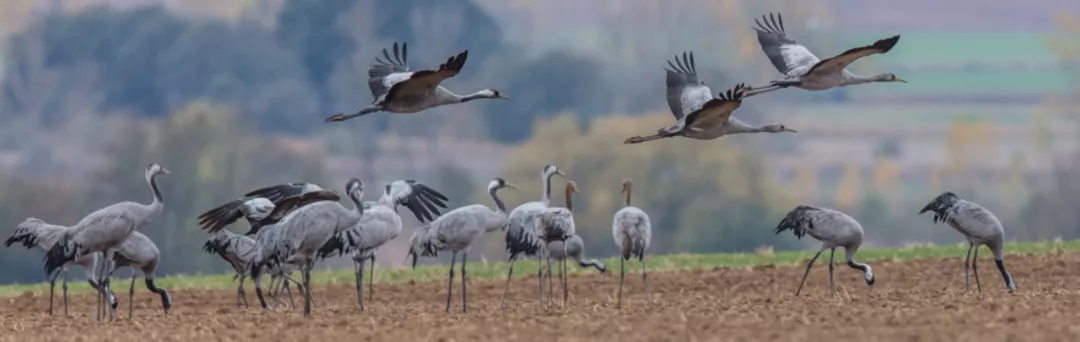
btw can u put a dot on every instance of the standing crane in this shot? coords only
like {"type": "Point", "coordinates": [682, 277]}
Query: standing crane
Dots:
{"type": "Point", "coordinates": [34, 232]}
{"type": "Point", "coordinates": [104, 231]}
{"type": "Point", "coordinates": [399, 89]}
{"type": "Point", "coordinates": [139, 252]}
{"type": "Point", "coordinates": [633, 233]}
{"type": "Point", "coordinates": [834, 229]}
{"type": "Point", "coordinates": [805, 71]}
{"type": "Point", "coordinates": [979, 227]}
{"type": "Point", "coordinates": [699, 115]}
{"type": "Point", "coordinates": [520, 229]}
{"type": "Point", "coordinates": [380, 224]}
{"type": "Point", "coordinates": [455, 231]}
{"type": "Point", "coordinates": [556, 225]}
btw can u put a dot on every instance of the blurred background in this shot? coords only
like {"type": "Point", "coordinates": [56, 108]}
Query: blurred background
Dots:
{"type": "Point", "coordinates": [230, 95]}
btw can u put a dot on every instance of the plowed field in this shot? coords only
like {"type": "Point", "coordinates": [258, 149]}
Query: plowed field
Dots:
{"type": "Point", "coordinates": [922, 300]}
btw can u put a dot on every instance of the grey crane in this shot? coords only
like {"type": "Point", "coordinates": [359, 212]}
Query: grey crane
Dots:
{"type": "Point", "coordinates": [455, 232]}
{"type": "Point", "coordinates": [698, 114]}
{"type": "Point", "coordinates": [399, 89]}
{"type": "Point", "coordinates": [574, 248]}
{"type": "Point", "coordinates": [104, 231]}
{"type": "Point", "coordinates": [632, 231]}
{"type": "Point", "coordinates": [34, 232]}
{"type": "Point", "coordinates": [255, 206]}
{"type": "Point", "coordinates": [804, 70]}
{"type": "Point", "coordinates": [238, 250]}
{"type": "Point", "coordinates": [139, 252]}
{"type": "Point", "coordinates": [520, 228]}
{"type": "Point", "coordinates": [979, 227]}
{"type": "Point", "coordinates": [834, 229]}
{"type": "Point", "coordinates": [556, 224]}
{"type": "Point", "coordinates": [380, 224]}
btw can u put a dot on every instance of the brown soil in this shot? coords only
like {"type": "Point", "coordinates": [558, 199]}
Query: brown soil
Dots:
{"type": "Point", "coordinates": [912, 301]}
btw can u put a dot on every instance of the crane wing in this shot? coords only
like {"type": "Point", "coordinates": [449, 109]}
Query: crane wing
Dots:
{"type": "Point", "coordinates": [215, 219]}
{"type": "Point", "coordinates": [423, 201]}
{"type": "Point", "coordinates": [717, 111]}
{"type": "Point", "coordinates": [422, 82]}
{"type": "Point", "coordinates": [290, 204]}
{"type": "Point", "coordinates": [840, 62]}
{"type": "Point", "coordinates": [686, 93]}
{"type": "Point", "coordinates": [380, 72]}
{"type": "Point", "coordinates": [278, 193]}
{"type": "Point", "coordinates": [790, 58]}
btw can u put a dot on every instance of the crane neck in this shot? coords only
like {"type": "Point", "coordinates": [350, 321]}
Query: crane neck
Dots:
{"type": "Point", "coordinates": [569, 199]}
{"type": "Point", "coordinates": [358, 205]}
{"type": "Point", "coordinates": [547, 189]}
{"type": "Point", "coordinates": [151, 178]}
{"type": "Point", "coordinates": [500, 207]}
{"type": "Point", "coordinates": [628, 190]}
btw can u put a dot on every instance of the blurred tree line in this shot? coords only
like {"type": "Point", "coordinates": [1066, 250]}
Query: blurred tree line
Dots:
{"type": "Point", "coordinates": [285, 76]}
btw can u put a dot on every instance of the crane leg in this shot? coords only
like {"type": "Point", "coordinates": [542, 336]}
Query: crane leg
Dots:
{"type": "Point", "coordinates": [64, 287]}
{"type": "Point", "coordinates": [464, 287]}
{"type": "Point", "coordinates": [240, 291]}
{"type": "Point", "coordinates": [256, 278]}
{"type": "Point", "coordinates": [967, 266]}
{"type": "Point", "coordinates": [371, 280]}
{"type": "Point", "coordinates": [622, 279]}
{"type": "Point", "coordinates": [1005, 274]}
{"type": "Point", "coordinates": [645, 280]}
{"type": "Point", "coordinates": [131, 296]}
{"type": "Point", "coordinates": [358, 267]}
{"type": "Point", "coordinates": [450, 284]}
{"type": "Point", "coordinates": [565, 288]}
{"type": "Point", "coordinates": [52, 289]}
{"type": "Point", "coordinates": [807, 272]}
{"type": "Point", "coordinates": [307, 287]}
{"type": "Point", "coordinates": [975, 268]}
{"type": "Point", "coordinates": [832, 286]}
{"type": "Point", "coordinates": [506, 289]}
{"type": "Point", "coordinates": [540, 276]}
{"type": "Point", "coordinates": [549, 276]}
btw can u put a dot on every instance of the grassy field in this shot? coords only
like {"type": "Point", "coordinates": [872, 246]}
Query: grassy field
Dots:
{"type": "Point", "coordinates": [478, 271]}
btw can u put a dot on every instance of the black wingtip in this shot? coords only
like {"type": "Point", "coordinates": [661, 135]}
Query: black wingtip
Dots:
{"type": "Point", "coordinates": [885, 45]}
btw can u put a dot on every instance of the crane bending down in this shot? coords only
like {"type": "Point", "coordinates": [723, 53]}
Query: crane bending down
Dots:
{"type": "Point", "coordinates": [556, 225]}
{"type": "Point", "coordinates": [237, 250]}
{"type": "Point", "coordinates": [455, 232]}
{"type": "Point", "coordinates": [979, 227]}
{"type": "Point", "coordinates": [521, 239]}
{"type": "Point", "coordinates": [139, 252]}
{"type": "Point", "coordinates": [574, 248]}
{"type": "Point", "coordinates": [34, 232]}
{"type": "Point", "coordinates": [632, 231]}
{"type": "Point", "coordinates": [104, 231]}
{"type": "Point", "coordinates": [699, 115]}
{"type": "Point", "coordinates": [834, 229]}
{"type": "Point", "coordinates": [804, 70]}
{"type": "Point", "coordinates": [399, 89]}
{"type": "Point", "coordinates": [380, 224]}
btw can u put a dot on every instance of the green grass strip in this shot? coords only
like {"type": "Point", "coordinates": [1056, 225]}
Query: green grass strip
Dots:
{"type": "Point", "coordinates": [497, 270]}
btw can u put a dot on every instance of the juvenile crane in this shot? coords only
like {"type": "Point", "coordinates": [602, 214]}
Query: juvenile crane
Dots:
{"type": "Point", "coordinates": [556, 225]}
{"type": "Point", "coordinates": [399, 89]}
{"type": "Point", "coordinates": [804, 70]}
{"type": "Point", "coordinates": [834, 229]}
{"type": "Point", "coordinates": [104, 231]}
{"type": "Point", "coordinates": [139, 252]}
{"type": "Point", "coordinates": [573, 249]}
{"type": "Point", "coordinates": [699, 115]}
{"type": "Point", "coordinates": [455, 232]}
{"type": "Point", "coordinates": [521, 239]}
{"type": "Point", "coordinates": [979, 227]}
{"type": "Point", "coordinates": [633, 233]}
{"type": "Point", "coordinates": [380, 224]}
{"type": "Point", "coordinates": [34, 232]}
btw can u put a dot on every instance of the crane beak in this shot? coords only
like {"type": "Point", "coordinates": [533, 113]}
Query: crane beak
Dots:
{"type": "Point", "coordinates": [558, 172]}
{"type": "Point", "coordinates": [790, 130]}
{"type": "Point", "coordinates": [503, 96]}
{"type": "Point", "coordinates": [165, 171]}
{"type": "Point", "coordinates": [512, 186]}
{"type": "Point", "coordinates": [899, 80]}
